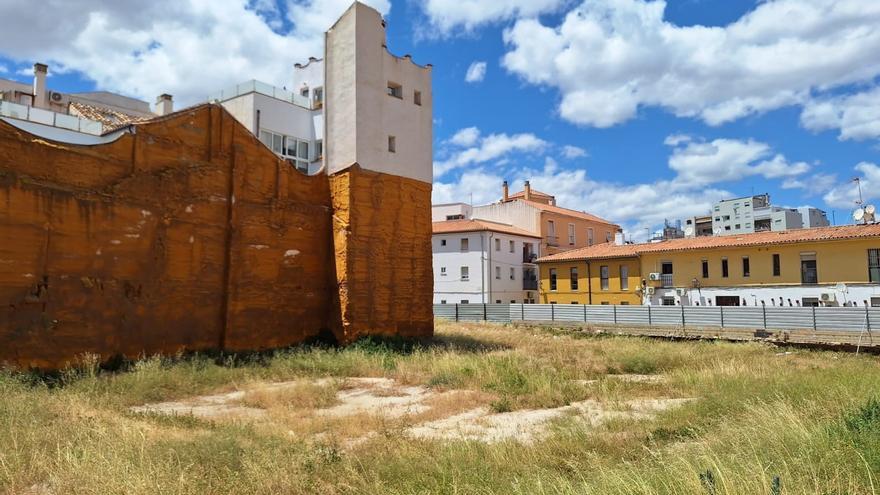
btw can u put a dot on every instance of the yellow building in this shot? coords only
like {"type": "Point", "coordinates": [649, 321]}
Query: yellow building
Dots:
{"type": "Point", "coordinates": [830, 266]}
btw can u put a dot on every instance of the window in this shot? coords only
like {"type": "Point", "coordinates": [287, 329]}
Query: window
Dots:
{"type": "Point", "coordinates": [724, 270]}
{"type": "Point", "coordinates": [810, 302]}
{"type": "Point", "coordinates": [417, 98]}
{"type": "Point", "coordinates": [512, 273]}
{"type": "Point", "coordinates": [809, 269]}
{"type": "Point", "coordinates": [571, 234]}
{"type": "Point", "coordinates": [551, 227]}
{"type": "Point", "coordinates": [553, 279]}
{"type": "Point", "coordinates": [392, 144]}
{"type": "Point", "coordinates": [442, 301]}
{"type": "Point", "coordinates": [737, 226]}
{"type": "Point", "coordinates": [465, 301]}
{"type": "Point", "coordinates": [603, 277]}
{"type": "Point", "coordinates": [497, 244]}
{"type": "Point", "coordinates": [777, 266]}
{"type": "Point", "coordinates": [624, 303]}
{"type": "Point", "coordinates": [442, 271]}
{"type": "Point", "coordinates": [318, 94]}
{"type": "Point", "coordinates": [464, 244]}
{"type": "Point", "coordinates": [497, 273]}
{"type": "Point", "coordinates": [705, 268]}
{"type": "Point", "coordinates": [607, 236]}
{"type": "Point", "coordinates": [455, 217]}
{"type": "Point", "coordinates": [624, 277]}
{"type": "Point", "coordinates": [442, 242]}
{"type": "Point", "coordinates": [304, 91]}
{"type": "Point", "coordinates": [746, 267]}
{"type": "Point", "coordinates": [874, 265]}
{"type": "Point", "coordinates": [875, 302]}
{"type": "Point", "coordinates": [395, 90]}
{"type": "Point", "coordinates": [573, 275]}
{"type": "Point", "coordinates": [669, 301]}
{"type": "Point", "coordinates": [465, 274]}
{"type": "Point", "coordinates": [497, 301]}
{"type": "Point", "coordinates": [319, 149]}
{"type": "Point", "coordinates": [590, 237]}
{"type": "Point", "coordinates": [512, 246]}
{"type": "Point", "coordinates": [574, 302]}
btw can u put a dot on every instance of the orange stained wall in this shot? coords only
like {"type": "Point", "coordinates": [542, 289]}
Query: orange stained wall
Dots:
{"type": "Point", "coordinates": [186, 235]}
{"type": "Point", "coordinates": [589, 282]}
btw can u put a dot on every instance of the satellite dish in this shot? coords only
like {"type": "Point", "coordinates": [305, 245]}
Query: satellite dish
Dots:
{"type": "Point", "coordinates": [870, 209]}
{"type": "Point", "coordinates": [840, 287]}
{"type": "Point", "coordinates": [688, 231]}
{"type": "Point", "coordinates": [717, 231]}
{"type": "Point", "coordinates": [859, 215]}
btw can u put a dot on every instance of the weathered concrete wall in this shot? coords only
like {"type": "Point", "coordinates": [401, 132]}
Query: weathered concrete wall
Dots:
{"type": "Point", "coordinates": [185, 235]}
{"type": "Point", "coordinates": [382, 238]}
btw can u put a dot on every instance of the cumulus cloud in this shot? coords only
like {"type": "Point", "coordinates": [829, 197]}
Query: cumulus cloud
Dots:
{"type": "Point", "coordinates": [845, 194]}
{"type": "Point", "coordinates": [476, 72]}
{"type": "Point", "coordinates": [608, 58]}
{"type": "Point", "coordinates": [571, 152]}
{"type": "Point", "coordinates": [447, 16]}
{"type": "Point", "coordinates": [699, 162]}
{"type": "Point", "coordinates": [815, 184]}
{"type": "Point", "coordinates": [469, 148]}
{"type": "Point", "coordinates": [856, 116]}
{"type": "Point", "coordinates": [190, 48]}
{"type": "Point", "coordinates": [3, 69]}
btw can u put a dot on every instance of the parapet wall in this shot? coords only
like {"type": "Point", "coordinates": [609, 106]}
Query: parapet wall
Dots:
{"type": "Point", "coordinates": [187, 234]}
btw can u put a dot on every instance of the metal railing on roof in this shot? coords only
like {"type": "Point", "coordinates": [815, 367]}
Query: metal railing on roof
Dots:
{"type": "Point", "coordinates": [254, 86]}
{"type": "Point", "coordinates": [50, 118]}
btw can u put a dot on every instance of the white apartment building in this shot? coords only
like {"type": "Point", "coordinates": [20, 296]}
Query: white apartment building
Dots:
{"type": "Point", "coordinates": [753, 214]}
{"type": "Point", "coordinates": [477, 261]}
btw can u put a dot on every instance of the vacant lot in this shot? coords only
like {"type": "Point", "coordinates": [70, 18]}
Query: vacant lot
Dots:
{"type": "Point", "coordinates": [483, 409]}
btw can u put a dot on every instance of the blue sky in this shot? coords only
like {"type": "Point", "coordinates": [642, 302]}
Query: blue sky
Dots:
{"type": "Point", "coordinates": [635, 110]}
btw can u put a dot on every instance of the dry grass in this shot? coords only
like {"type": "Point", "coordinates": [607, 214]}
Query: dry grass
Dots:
{"type": "Point", "coordinates": [812, 418]}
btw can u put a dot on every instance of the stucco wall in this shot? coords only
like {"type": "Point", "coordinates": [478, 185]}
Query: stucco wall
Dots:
{"type": "Point", "coordinates": [186, 235]}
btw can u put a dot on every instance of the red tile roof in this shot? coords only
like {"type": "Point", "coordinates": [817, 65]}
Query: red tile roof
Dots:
{"type": "Point", "coordinates": [111, 119]}
{"type": "Point", "coordinates": [451, 226]}
{"type": "Point", "coordinates": [610, 250]}
{"type": "Point", "coordinates": [565, 211]}
{"type": "Point", "coordinates": [534, 192]}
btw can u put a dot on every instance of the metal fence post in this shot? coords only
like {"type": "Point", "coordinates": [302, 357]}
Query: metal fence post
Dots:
{"type": "Point", "coordinates": [682, 316]}
{"type": "Point", "coordinates": [484, 313]}
{"type": "Point", "coordinates": [552, 312]}
{"type": "Point", "coordinates": [522, 312]}
{"type": "Point", "coordinates": [721, 308]}
{"type": "Point", "coordinates": [456, 311]}
{"type": "Point", "coordinates": [585, 313]}
{"type": "Point", "coordinates": [614, 308]}
{"type": "Point", "coordinates": [868, 317]}
{"type": "Point", "coordinates": [815, 326]}
{"type": "Point", "coordinates": [764, 311]}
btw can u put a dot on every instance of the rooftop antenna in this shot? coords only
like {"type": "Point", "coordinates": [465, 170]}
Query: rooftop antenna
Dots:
{"type": "Point", "coordinates": [858, 181]}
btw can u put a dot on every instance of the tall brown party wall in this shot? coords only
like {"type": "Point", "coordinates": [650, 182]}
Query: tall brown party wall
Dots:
{"type": "Point", "coordinates": [188, 234]}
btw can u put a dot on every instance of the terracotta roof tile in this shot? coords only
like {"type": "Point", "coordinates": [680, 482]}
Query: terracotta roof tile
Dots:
{"type": "Point", "coordinates": [566, 211]}
{"type": "Point", "coordinates": [111, 119]}
{"type": "Point", "coordinates": [534, 192]}
{"type": "Point", "coordinates": [610, 250]}
{"type": "Point", "coordinates": [451, 226]}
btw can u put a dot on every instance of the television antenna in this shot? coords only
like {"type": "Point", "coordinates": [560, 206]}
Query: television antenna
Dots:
{"type": "Point", "coordinates": [858, 181]}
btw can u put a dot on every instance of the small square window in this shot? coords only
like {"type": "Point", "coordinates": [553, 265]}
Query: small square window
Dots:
{"type": "Point", "coordinates": [395, 90]}
{"type": "Point", "coordinates": [417, 98]}
{"type": "Point", "coordinates": [442, 271]}
{"type": "Point", "coordinates": [392, 144]}
{"type": "Point", "coordinates": [442, 242]}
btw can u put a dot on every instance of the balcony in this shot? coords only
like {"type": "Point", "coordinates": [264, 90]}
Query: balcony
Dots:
{"type": "Point", "coordinates": [666, 280]}
{"type": "Point", "coordinates": [529, 257]}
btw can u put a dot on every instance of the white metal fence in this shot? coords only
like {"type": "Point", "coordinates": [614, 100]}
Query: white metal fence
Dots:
{"type": "Point", "coordinates": [767, 318]}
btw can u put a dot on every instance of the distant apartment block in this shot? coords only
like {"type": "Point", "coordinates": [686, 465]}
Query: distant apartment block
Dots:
{"type": "Point", "coordinates": [753, 214]}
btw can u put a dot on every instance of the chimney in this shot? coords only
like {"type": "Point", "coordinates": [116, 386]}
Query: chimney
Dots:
{"type": "Point", "coordinates": [164, 104]}
{"type": "Point", "coordinates": [41, 100]}
{"type": "Point", "coordinates": [527, 191]}
{"type": "Point", "coordinates": [506, 192]}
{"type": "Point", "coordinates": [618, 239]}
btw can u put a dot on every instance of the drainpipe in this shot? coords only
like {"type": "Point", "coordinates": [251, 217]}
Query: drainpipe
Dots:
{"type": "Point", "coordinates": [491, 267]}
{"type": "Point", "coordinates": [482, 268]}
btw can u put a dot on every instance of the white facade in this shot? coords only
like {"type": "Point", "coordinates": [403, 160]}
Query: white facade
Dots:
{"type": "Point", "coordinates": [756, 214]}
{"type": "Point", "coordinates": [484, 270]}
{"type": "Point", "coordinates": [451, 211]}
{"type": "Point", "coordinates": [813, 217]}
{"type": "Point", "coordinates": [378, 106]}
{"type": "Point", "coordinates": [517, 213]}
{"type": "Point", "coordinates": [787, 296]}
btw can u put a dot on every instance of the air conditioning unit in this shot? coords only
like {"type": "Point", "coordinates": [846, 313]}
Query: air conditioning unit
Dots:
{"type": "Point", "coordinates": [649, 291]}
{"type": "Point", "coordinates": [681, 292]}
{"type": "Point", "coordinates": [654, 276]}
{"type": "Point", "coordinates": [55, 96]}
{"type": "Point", "coordinates": [828, 297]}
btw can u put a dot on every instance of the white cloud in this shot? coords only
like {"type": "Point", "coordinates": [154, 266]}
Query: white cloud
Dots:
{"type": "Point", "coordinates": [190, 48]}
{"type": "Point", "coordinates": [469, 148]}
{"type": "Point", "coordinates": [857, 116]}
{"type": "Point", "coordinates": [571, 152]}
{"type": "Point", "coordinates": [814, 184]}
{"type": "Point", "coordinates": [446, 16]}
{"type": "Point", "coordinates": [845, 195]}
{"type": "Point", "coordinates": [608, 58]}
{"type": "Point", "coordinates": [476, 72]}
{"type": "Point", "coordinates": [3, 69]}
{"type": "Point", "coordinates": [699, 162]}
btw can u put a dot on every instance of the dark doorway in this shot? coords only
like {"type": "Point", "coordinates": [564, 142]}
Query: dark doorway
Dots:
{"type": "Point", "coordinates": [727, 300]}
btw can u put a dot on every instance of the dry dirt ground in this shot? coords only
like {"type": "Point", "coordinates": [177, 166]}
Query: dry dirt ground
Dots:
{"type": "Point", "coordinates": [361, 407]}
